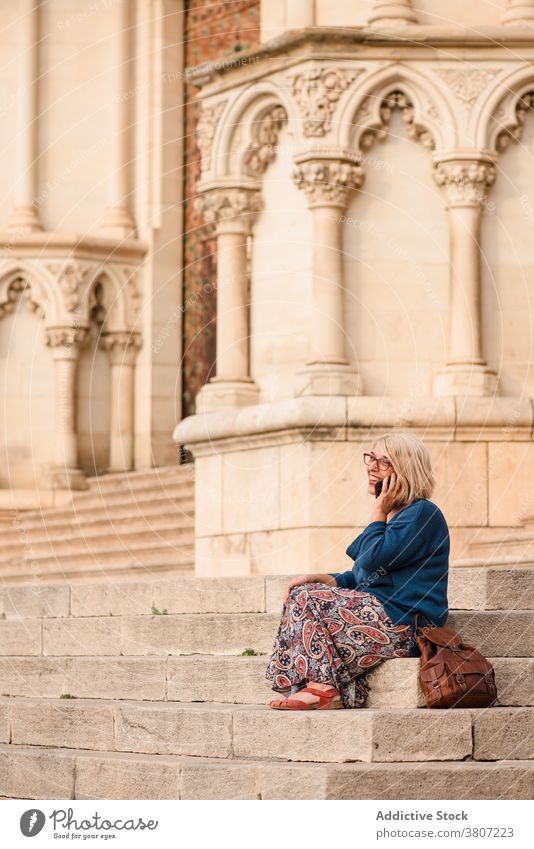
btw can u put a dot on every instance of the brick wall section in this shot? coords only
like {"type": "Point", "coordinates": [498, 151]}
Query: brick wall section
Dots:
{"type": "Point", "coordinates": [212, 30]}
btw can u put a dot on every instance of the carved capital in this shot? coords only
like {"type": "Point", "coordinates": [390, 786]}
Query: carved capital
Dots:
{"type": "Point", "coordinates": [235, 205]}
{"type": "Point", "coordinates": [121, 348]}
{"type": "Point", "coordinates": [465, 181]}
{"type": "Point", "coordinates": [328, 182]}
{"type": "Point", "coordinates": [317, 92]}
{"type": "Point", "coordinates": [65, 341]}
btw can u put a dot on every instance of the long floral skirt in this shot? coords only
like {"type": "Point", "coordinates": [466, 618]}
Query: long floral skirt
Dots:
{"type": "Point", "coordinates": [333, 636]}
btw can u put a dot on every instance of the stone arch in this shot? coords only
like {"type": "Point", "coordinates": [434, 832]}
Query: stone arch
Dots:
{"type": "Point", "coordinates": [500, 118]}
{"type": "Point", "coordinates": [246, 134]}
{"type": "Point", "coordinates": [36, 286]}
{"type": "Point", "coordinates": [365, 113]}
{"type": "Point", "coordinates": [110, 292]}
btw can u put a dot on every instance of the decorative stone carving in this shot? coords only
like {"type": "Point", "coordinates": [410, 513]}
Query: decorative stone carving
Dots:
{"type": "Point", "coordinates": [68, 338]}
{"type": "Point", "coordinates": [121, 348]}
{"type": "Point", "coordinates": [391, 12]}
{"type": "Point", "coordinates": [467, 85]}
{"type": "Point", "coordinates": [317, 92]}
{"type": "Point", "coordinates": [224, 204]}
{"type": "Point", "coordinates": [205, 131]}
{"type": "Point", "coordinates": [69, 277]}
{"type": "Point", "coordinates": [262, 150]}
{"type": "Point", "coordinates": [513, 130]}
{"type": "Point", "coordinates": [11, 295]}
{"type": "Point", "coordinates": [378, 129]}
{"type": "Point", "coordinates": [518, 11]}
{"type": "Point", "coordinates": [328, 182]}
{"type": "Point", "coordinates": [465, 183]}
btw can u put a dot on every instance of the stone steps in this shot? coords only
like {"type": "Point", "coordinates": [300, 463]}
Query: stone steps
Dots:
{"type": "Point", "coordinates": [121, 495]}
{"type": "Point", "coordinates": [469, 589]}
{"type": "Point", "coordinates": [216, 678]}
{"type": "Point", "coordinates": [52, 773]}
{"type": "Point", "coordinates": [123, 561]}
{"type": "Point", "coordinates": [256, 732]}
{"type": "Point", "coordinates": [496, 633]}
{"type": "Point", "coordinates": [133, 480]}
{"type": "Point", "coordinates": [177, 531]}
{"type": "Point", "coordinates": [180, 504]}
{"type": "Point", "coordinates": [517, 543]}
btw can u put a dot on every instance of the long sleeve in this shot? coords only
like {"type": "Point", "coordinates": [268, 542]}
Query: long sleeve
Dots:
{"type": "Point", "coordinates": [346, 580]}
{"type": "Point", "coordinates": [392, 546]}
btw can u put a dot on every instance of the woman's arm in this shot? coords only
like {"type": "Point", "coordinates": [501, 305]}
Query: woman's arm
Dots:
{"type": "Point", "coordinates": [317, 577]}
{"type": "Point", "coordinates": [394, 546]}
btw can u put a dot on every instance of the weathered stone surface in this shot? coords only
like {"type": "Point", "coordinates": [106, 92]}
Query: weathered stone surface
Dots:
{"type": "Point", "coordinates": [207, 634]}
{"type": "Point", "coordinates": [4, 723]}
{"type": "Point", "coordinates": [33, 676]}
{"type": "Point", "coordinates": [511, 589]}
{"type": "Point", "coordinates": [497, 633]}
{"type": "Point", "coordinates": [82, 636]}
{"type": "Point", "coordinates": [421, 735]}
{"type": "Point", "coordinates": [292, 781]}
{"type": "Point", "coordinates": [36, 600]}
{"type": "Point", "coordinates": [503, 734]}
{"type": "Point", "coordinates": [35, 774]}
{"type": "Point", "coordinates": [216, 595]}
{"type": "Point", "coordinates": [116, 678]}
{"type": "Point", "coordinates": [22, 637]}
{"type": "Point", "coordinates": [465, 780]}
{"type": "Point", "coordinates": [215, 679]}
{"type": "Point", "coordinates": [125, 776]}
{"type": "Point", "coordinates": [205, 779]}
{"type": "Point", "coordinates": [101, 599]}
{"type": "Point", "coordinates": [169, 729]}
{"type": "Point", "coordinates": [514, 678]}
{"type": "Point", "coordinates": [393, 684]}
{"type": "Point", "coordinates": [334, 736]}
{"type": "Point", "coordinates": [63, 723]}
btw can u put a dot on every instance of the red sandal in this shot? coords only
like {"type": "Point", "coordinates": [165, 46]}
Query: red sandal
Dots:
{"type": "Point", "coordinates": [328, 700]}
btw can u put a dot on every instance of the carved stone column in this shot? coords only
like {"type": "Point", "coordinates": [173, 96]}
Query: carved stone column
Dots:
{"type": "Point", "coordinates": [519, 12]}
{"type": "Point", "coordinates": [465, 180]}
{"type": "Point", "coordinates": [327, 182]}
{"type": "Point", "coordinates": [391, 12]}
{"type": "Point", "coordinates": [24, 218]}
{"type": "Point", "coordinates": [232, 210]}
{"type": "Point", "coordinates": [122, 350]}
{"type": "Point", "coordinates": [65, 343]}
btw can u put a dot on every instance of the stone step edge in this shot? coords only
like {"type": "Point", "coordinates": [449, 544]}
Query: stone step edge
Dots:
{"type": "Point", "coordinates": [137, 474]}
{"type": "Point", "coordinates": [95, 499]}
{"type": "Point", "coordinates": [75, 524]}
{"type": "Point", "coordinates": [265, 777]}
{"type": "Point", "coordinates": [135, 549]}
{"type": "Point", "coordinates": [74, 537]}
{"type": "Point", "coordinates": [54, 515]}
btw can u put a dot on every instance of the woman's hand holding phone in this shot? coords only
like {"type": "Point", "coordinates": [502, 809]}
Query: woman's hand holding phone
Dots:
{"type": "Point", "coordinates": [388, 493]}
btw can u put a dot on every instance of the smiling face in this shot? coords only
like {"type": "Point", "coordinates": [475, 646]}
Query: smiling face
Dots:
{"type": "Point", "coordinates": [374, 472]}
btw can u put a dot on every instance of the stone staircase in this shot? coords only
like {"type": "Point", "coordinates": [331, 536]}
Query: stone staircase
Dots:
{"type": "Point", "coordinates": [138, 688]}
{"type": "Point", "coordinates": [124, 523]}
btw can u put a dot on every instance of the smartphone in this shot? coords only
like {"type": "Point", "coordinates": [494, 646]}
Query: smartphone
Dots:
{"type": "Point", "coordinates": [378, 488]}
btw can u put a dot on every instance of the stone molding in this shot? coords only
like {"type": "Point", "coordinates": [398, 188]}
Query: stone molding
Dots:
{"type": "Point", "coordinates": [121, 348]}
{"type": "Point", "coordinates": [65, 341]}
{"type": "Point", "coordinates": [206, 129]}
{"type": "Point", "coordinates": [392, 12]}
{"type": "Point", "coordinates": [518, 12]}
{"type": "Point", "coordinates": [376, 126]}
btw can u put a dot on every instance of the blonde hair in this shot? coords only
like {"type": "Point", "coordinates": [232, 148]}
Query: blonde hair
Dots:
{"type": "Point", "coordinates": [411, 461]}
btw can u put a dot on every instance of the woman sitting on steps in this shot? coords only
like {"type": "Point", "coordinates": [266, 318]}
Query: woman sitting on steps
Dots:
{"type": "Point", "coordinates": [335, 627]}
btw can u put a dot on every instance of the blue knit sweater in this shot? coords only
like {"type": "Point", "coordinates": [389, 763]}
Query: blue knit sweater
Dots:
{"type": "Point", "coordinates": [405, 564]}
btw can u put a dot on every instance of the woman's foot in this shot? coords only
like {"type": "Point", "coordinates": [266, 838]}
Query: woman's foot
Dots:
{"type": "Point", "coordinates": [315, 696]}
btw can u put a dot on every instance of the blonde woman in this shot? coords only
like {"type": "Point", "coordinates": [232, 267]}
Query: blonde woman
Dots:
{"type": "Point", "coordinates": [337, 626]}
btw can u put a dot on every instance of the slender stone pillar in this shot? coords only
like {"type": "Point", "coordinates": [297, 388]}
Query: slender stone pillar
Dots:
{"type": "Point", "coordinates": [465, 180]}
{"type": "Point", "coordinates": [65, 343]}
{"type": "Point", "coordinates": [391, 12]}
{"type": "Point", "coordinates": [232, 210]}
{"type": "Point", "coordinates": [122, 350]}
{"type": "Point", "coordinates": [117, 220]}
{"type": "Point", "coordinates": [519, 12]}
{"type": "Point", "coordinates": [327, 182]}
{"type": "Point", "coordinates": [24, 218]}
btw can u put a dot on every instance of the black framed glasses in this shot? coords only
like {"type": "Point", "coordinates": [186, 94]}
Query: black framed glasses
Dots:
{"type": "Point", "coordinates": [383, 462]}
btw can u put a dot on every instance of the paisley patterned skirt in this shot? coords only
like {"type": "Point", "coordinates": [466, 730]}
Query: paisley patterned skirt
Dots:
{"type": "Point", "coordinates": [333, 636]}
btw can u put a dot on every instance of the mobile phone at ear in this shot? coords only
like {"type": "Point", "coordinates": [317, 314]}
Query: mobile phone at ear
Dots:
{"type": "Point", "coordinates": [378, 488]}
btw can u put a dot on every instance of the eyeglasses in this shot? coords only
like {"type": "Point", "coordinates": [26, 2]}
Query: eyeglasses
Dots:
{"type": "Point", "coordinates": [383, 462]}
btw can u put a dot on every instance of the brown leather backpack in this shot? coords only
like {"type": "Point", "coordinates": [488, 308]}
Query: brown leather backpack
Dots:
{"type": "Point", "coordinates": [453, 674]}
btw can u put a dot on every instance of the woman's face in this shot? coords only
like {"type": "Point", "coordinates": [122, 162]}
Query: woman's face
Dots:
{"type": "Point", "coordinates": [374, 472]}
